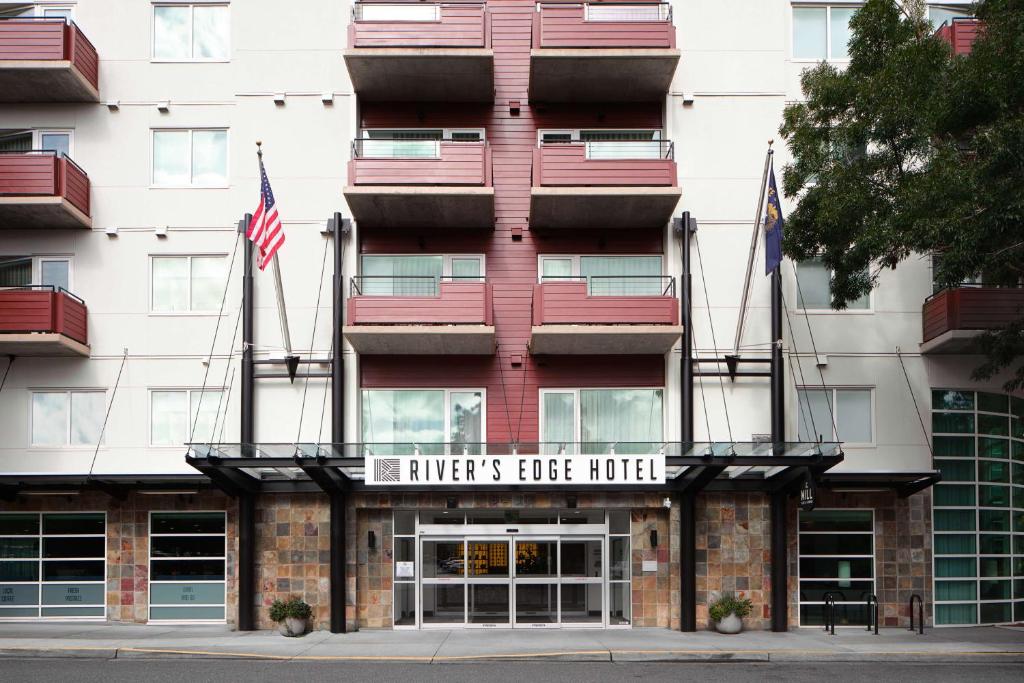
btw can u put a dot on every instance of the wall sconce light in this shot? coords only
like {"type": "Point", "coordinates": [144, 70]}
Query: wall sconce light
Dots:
{"type": "Point", "coordinates": [452, 502]}
{"type": "Point", "coordinates": [570, 501]}
{"type": "Point", "coordinates": [371, 540]}
{"type": "Point", "coordinates": [654, 538]}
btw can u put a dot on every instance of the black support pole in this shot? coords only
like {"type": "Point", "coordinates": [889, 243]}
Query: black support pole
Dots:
{"type": "Point", "coordinates": [247, 501]}
{"type": "Point", "coordinates": [687, 500]}
{"type": "Point", "coordinates": [338, 580]}
{"type": "Point", "coordinates": [779, 543]}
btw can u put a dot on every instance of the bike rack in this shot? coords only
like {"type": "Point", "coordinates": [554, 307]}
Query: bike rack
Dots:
{"type": "Point", "coordinates": [872, 613]}
{"type": "Point", "coordinates": [830, 613]}
{"type": "Point", "coordinates": [920, 613]}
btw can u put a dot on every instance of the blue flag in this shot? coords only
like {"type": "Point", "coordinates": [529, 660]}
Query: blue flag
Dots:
{"type": "Point", "coordinates": [772, 227]}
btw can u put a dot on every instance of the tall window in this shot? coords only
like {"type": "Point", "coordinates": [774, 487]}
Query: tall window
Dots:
{"type": "Point", "coordinates": [607, 275]}
{"type": "Point", "coordinates": [837, 556]}
{"type": "Point", "coordinates": [406, 420]}
{"type": "Point", "coordinates": [174, 411]}
{"type": "Point", "coordinates": [978, 507]}
{"type": "Point", "coordinates": [67, 418]}
{"type": "Point", "coordinates": [190, 158]}
{"type": "Point", "coordinates": [851, 408]}
{"type": "Point", "coordinates": [21, 271]}
{"type": "Point", "coordinates": [415, 275]}
{"type": "Point", "coordinates": [187, 33]}
{"type": "Point", "coordinates": [187, 566]}
{"type": "Point", "coordinates": [821, 32]}
{"type": "Point", "coordinates": [602, 420]}
{"type": "Point", "coordinates": [815, 288]}
{"type": "Point", "coordinates": [187, 284]}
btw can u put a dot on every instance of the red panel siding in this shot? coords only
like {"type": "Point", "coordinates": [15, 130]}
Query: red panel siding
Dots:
{"type": "Point", "coordinates": [961, 34]}
{"type": "Point", "coordinates": [74, 185]}
{"type": "Point", "coordinates": [567, 27]}
{"type": "Point", "coordinates": [25, 310]}
{"type": "Point", "coordinates": [970, 308]}
{"type": "Point", "coordinates": [28, 174]}
{"type": "Point", "coordinates": [458, 303]}
{"type": "Point", "coordinates": [512, 390]}
{"type": "Point", "coordinates": [460, 26]}
{"type": "Point", "coordinates": [460, 163]}
{"type": "Point", "coordinates": [567, 165]}
{"type": "Point", "coordinates": [568, 303]}
{"type": "Point", "coordinates": [83, 55]}
{"type": "Point", "coordinates": [28, 40]}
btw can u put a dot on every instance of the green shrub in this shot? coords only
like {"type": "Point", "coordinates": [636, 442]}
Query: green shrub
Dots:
{"type": "Point", "coordinates": [729, 604]}
{"type": "Point", "coordinates": [295, 608]}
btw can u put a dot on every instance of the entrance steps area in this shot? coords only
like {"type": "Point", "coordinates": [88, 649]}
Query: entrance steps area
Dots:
{"type": "Point", "coordinates": [974, 644]}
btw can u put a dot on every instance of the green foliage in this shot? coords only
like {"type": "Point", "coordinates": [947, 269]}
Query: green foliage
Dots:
{"type": "Point", "coordinates": [911, 150]}
{"type": "Point", "coordinates": [729, 604]}
{"type": "Point", "coordinates": [294, 608]}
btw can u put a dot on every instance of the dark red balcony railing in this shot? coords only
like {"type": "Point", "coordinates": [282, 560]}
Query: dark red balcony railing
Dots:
{"type": "Point", "coordinates": [621, 163]}
{"type": "Point", "coordinates": [43, 308]}
{"type": "Point", "coordinates": [451, 25]}
{"type": "Point", "coordinates": [44, 173]}
{"type": "Point", "coordinates": [43, 39]}
{"type": "Point", "coordinates": [414, 300]}
{"type": "Point", "coordinates": [971, 308]}
{"type": "Point", "coordinates": [961, 33]}
{"type": "Point", "coordinates": [604, 25]}
{"type": "Point", "coordinates": [420, 162]}
{"type": "Point", "coordinates": [606, 300]}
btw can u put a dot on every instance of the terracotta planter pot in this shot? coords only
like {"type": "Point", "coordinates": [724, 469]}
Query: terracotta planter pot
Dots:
{"type": "Point", "coordinates": [730, 624]}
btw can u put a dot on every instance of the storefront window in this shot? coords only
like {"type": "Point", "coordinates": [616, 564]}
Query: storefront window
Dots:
{"type": "Point", "coordinates": [187, 553]}
{"type": "Point", "coordinates": [837, 557]}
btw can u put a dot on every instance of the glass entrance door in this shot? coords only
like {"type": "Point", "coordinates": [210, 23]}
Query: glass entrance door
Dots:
{"type": "Point", "coordinates": [488, 584]}
{"type": "Point", "coordinates": [536, 582]}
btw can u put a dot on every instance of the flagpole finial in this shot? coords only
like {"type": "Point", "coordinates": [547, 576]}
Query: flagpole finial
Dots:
{"type": "Point", "coordinates": [770, 143]}
{"type": "Point", "coordinates": [259, 148]}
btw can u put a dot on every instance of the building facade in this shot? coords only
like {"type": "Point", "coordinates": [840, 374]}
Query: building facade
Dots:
{"type": "Point", "coordinates": [517, 240]}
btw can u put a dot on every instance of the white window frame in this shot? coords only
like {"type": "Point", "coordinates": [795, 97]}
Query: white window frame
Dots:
{"type": "Point", "coordinates": [576, 133]}
{"type": "Point", "coordinates": [37, 266]}
{"type": "Point", "coordinates": [577, 409]}
{"type": "Point", "coordinates": [873, 556]}
{"type": "Point", "coordinates": [190, 310]}
{"type": "Point", "coordinates": [192, 414]}
{"type": "Point", "coordinates": [448, 391]}
{"type": "Point", "coordinates": [827, 6]}
{"type": "Point", "coordinates": [446, 134]}
{"type": "Point", "coordinates": [39, 9]}
{"type": "Point", "coordinates": [67, 392]}
{"type": "Point", "coordinates": [799, 307]}
{"type": "Point", "coordinates": [191, 5]}
{"type": "Point", "coordinates": [191, 185]}
{"type": "Point", "coordinates": [149, 568]}
{"type": "Point", "coordinates": [412, 20]}
{"type": "Point", "coordinates": [965, 5]}
{"type": "Point", "coordinates": [37, 138]}
{"type": "Point", "coordinates": [832, 389]}
{"type": "Point", "coordinates": [446, 265]}
{"type": "Point", "coordinates": [577, 260]}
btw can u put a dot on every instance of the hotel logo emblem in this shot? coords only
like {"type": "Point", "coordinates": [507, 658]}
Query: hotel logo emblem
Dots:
{"type": "Point", "coordinates": [387, 470]}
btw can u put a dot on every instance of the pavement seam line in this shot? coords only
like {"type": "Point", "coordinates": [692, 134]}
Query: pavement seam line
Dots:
{"type": "Point", "coordinates": [447, 635]}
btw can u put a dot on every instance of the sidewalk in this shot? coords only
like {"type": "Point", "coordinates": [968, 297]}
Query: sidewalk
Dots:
{"type": "Point", "coordinates": [981, 644]}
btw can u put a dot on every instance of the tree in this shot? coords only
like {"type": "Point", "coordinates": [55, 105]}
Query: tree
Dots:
{"type": "Point", "coordinates": [912, 151]}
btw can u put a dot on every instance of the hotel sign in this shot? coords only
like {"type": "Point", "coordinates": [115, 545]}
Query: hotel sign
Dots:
{"type": "Point", "coordinates": [514, 470]}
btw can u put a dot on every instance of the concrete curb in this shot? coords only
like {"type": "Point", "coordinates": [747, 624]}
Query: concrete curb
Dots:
{"type": "Point", "coordinates": [59, 652]}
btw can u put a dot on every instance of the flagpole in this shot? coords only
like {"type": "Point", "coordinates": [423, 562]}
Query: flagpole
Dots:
{"type": "Point", "coordinates": [282, 312]}
{"type": "Point", "coordinates": [758, 218]}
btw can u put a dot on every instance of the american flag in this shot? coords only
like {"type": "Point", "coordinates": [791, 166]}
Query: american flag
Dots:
{"type": "Point", "coordinates": [265, 229]}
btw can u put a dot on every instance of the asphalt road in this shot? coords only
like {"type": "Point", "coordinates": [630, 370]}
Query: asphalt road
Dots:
{"type": "Point", "coordinates": [215, 671]}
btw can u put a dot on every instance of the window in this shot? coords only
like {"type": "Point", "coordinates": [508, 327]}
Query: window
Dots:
{"type": "Point", "coordinates": [978, 507]}
{"type": "Point", "coordinates": [399, 421]}
{"type": "Point", "coordinates": [415, 143]}
{"type": "Point", "coordinates": [404, 568]}
{"type": "Point", "coordinates": [403, 12]}
{"type": "Point", "coordinates": [37, 10]}
{"type": "Point", "coordinates": [851, 408]}
{"type": "Point", "coordinates": [608, 275]}
{"type": "Point", "coordinates": [611, 144]}
{"type": "Point", "coordinates": [419, 275]}
{"type": "Point", "coordinates": [22, 271]}
{"type": "Point", "coordinates": [191, 33]}
{"type": "Point", "coordinates": [53, 565]}
{"type": "Point", "coordinates": [67, 418]}
{"type": "Point", "coordinates": [174, 411]}
{"type": "Point", "coordinates": [601, 420]}
{"type": "Point", "coordinates": [187, 556]}
{"type": "Point", "coordinates": [814, 288]}
{"type": "Point", "coordinates": [187, 284]}
{"type": "Point", "coordinates": [837, 556]}
{"type": "Point", "coordinates": [58, 141]}
{"type": "Point", "coordinates": [624, 13]}
{"type": "Point", "coordinates": [944, 14]}
{"type": "Point", "coordinates": [190, 158]}
{"type": "Point", "coordinates": [821, 32]}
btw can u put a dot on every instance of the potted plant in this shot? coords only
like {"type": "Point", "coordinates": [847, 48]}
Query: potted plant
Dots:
{"type": "Point", "coordinates": [291, 615]}
{"type": "Point", "coordinates": [728, 611]}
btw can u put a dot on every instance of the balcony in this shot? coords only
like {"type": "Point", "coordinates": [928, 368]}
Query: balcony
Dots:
{"type": "Point", "coordinates": [952, 319]}
{"type": "Point", "coordinates": [420, 184]}
{"type": "Point", "coordinates": [40, 320]}
{"type": "Point", "coordinates": [420, 315]}
{"type": "Point", "coordinates": [602, 52]}
{"type": "Point", "coordinates": [42, 190]}
{"type": "Point", "coordinates": [46, 60]}
{"type": "Point", "coordinates": [607, 184]}
{"type": "Point", "coordinates": [614, 315]}
{"type": "Point", "coordinates": [960, 34]}
{"type": "Point", "coordinates": [413, 52]}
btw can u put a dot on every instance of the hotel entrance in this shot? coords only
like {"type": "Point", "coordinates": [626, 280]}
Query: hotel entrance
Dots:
{"type": "Point", "coordinates": [516, 570]}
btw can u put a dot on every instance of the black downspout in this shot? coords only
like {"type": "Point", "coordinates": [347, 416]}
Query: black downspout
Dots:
{"type": "Point", "coordinates": [780, 554]}
{"type": "Point", "coordinates": [337, 569]}
{"type": "Point", "coordinates": [247, 501]}
{"type": "Point", "coordinates": [687, 501]}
